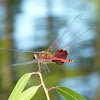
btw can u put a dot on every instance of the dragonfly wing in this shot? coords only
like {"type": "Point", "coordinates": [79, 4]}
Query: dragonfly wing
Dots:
{"type": "Point", "coordinates": [76, 41]}
{"type": "Point", "coordinates": [23, 63]}
{"type": "Point", "coordinates": [18, 50]}
{"type": "Point", "coordinates": [56, 42]}
{"type": "Point", "coordinates": [60, 54]}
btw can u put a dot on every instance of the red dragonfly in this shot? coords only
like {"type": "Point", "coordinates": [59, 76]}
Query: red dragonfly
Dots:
{"type": "Point", "coordinates": [58, 57]}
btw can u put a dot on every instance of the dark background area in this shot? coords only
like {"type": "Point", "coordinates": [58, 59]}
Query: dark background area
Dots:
{"type": "Point", "coordinates": [34, 25]}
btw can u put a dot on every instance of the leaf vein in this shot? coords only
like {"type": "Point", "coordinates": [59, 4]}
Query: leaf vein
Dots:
{"type": "Point", "coordinates": [69, 94]}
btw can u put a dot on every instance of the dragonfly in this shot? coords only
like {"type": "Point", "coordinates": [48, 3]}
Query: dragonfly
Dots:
{"type": "Point", "coordinates": [59, 57]}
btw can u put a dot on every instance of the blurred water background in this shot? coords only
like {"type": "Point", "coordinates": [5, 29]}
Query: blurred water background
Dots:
{"type": "Point", "coordinates": [34, 25]}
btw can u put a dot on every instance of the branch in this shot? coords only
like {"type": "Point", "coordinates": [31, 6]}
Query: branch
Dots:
{"type": "Point", "coordinates": [42, 83]}
{"type": "Point", "coordinates": [51, 88]}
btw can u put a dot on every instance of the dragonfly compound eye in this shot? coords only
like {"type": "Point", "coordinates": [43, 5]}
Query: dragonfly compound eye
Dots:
{"type": "Point", "coordinates": [34, 57]}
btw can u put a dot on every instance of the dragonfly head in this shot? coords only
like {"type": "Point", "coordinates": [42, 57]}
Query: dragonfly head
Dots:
{"type": "Point", "coordinates": [36, 55]}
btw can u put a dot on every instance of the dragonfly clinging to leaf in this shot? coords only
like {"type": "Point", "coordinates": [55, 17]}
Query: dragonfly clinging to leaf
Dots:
{"type": "Point", "coordinates": [58, 57]}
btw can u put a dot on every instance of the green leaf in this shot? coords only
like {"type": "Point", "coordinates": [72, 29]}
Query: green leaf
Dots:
{"type": "Point", "coordinates": [69, 94]}
{"type": "Point", "coordinates": [28, 94]}
{"type": "Point", "coordinates": [20, 86]}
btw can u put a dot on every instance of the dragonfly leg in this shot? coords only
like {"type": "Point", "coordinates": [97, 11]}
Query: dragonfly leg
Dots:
{"type": "Point", "coordinates": [44, 67]}
{"type": "Point", "coordinates": [47, 68]}
{"type": "Point", "coordinates": [45, 72]}
{"type": "Point", "coordinates": [39, 66]}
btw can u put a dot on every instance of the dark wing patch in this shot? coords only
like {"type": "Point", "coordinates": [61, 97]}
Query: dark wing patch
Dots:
{"type": "Point", "coordinates": [60, 54]}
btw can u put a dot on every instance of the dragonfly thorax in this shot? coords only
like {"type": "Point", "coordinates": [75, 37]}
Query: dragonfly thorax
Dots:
{"type": "Point", "coordinates": [42, 55]}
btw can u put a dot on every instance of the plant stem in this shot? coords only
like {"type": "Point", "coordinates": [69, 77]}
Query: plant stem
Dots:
{"type": "Point", "coordinates": [51, 88]}
{"type": "Point", "coordinates": [45, 89]}
{"type": "Point", "coordinates": [42, 82]}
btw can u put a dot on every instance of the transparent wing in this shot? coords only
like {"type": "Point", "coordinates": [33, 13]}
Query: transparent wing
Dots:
{"type": "Point", "coordinates": [76, 41]}
{"type": "Point", "coordinates": [23, 63]}
{"type": "Point", "coordinates": [56, 42]}
{"type": "Point", "coordinates": [73, 45]}
{"type": "Point", "coordinates": [18, 50]}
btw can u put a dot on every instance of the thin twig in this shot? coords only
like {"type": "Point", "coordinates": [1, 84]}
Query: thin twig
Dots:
{"type": "Point", "coordinates": [42, 83]}
{"type": "Point", "coordinates": [51, 88]}
{"type": "Point", "coordinates": [45, 89]}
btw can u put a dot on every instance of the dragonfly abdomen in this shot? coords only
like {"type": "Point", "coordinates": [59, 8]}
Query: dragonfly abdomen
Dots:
{"type": "Point", "coordinates": [60, 61]}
